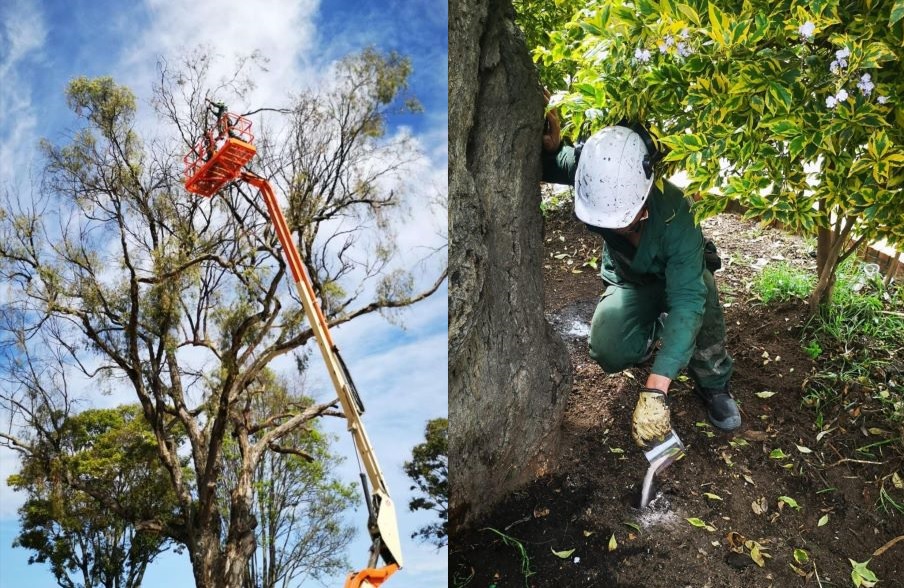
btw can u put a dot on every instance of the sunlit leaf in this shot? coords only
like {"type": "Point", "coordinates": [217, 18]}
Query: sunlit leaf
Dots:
{"type": "Point", "coordinates": [862, 575]}
{"type": "Point", "coordinates": [789, 501]}
{"type": "Point", "coordinates": [562, 554]}
{"type": "Point", "coordinates": [756, 556]}
{"type": "Point", "coordinates": [634, 526]}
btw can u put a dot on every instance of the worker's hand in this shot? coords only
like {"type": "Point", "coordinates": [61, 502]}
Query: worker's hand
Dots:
{"type": "Point", "coordinates": [551, 129]}
{"type": "Point", "coordinates": [651, 420]}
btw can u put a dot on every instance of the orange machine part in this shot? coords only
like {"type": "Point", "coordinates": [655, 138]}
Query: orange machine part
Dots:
{"type": "Point", "coordinates": [371, 577]}
{"type": "Point", "coordinates": [208, 177]}
{"type": "Point", "coordinates": [209, 166]}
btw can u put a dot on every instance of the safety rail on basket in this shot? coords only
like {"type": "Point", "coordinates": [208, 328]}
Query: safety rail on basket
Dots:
{"type": "Point", "coordinates": [219, 156]}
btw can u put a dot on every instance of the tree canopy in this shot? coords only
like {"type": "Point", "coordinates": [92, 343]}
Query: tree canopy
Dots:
{"type": "Point", "coordinates": [429, 470]}
{"type": "Point", "coordinates": [87, 482]}
{"type": "Point", "coordinates": [792, 109]}
{"type": "Point", "coordinates": [114, 268]}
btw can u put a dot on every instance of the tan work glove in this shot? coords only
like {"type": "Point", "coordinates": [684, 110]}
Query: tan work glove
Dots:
{"type": "Point", "coordinates": [651, 417]}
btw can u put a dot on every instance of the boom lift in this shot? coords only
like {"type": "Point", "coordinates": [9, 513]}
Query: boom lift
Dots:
{"type": "Point", "coordinates": [219, 158]}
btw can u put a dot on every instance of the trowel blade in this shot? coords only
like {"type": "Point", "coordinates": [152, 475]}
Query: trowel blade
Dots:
{"type": "Point", "coordinates": [671, 446]}
{"type": "Point", "coordinates": [660, 457]}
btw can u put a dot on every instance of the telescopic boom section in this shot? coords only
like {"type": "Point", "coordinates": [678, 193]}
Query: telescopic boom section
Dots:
{"type": "Point", "coordinates": [206, 176]}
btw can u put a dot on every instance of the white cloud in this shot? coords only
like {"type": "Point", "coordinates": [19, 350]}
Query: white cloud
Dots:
{"type": "Point", "coordinates": [21, 43]}
{"type": "Point", "coordinates": [281, 30]}
{"type": "Point", "coordinates": [401, 375]}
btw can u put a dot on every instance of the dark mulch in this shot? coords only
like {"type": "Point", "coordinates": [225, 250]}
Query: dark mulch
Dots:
{"type": "Point", "coordinates": [592, 493]}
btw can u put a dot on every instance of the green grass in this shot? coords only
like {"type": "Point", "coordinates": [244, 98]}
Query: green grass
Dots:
{"type": "Point", "coordinates": [858, 338]}
{"type": "Point", "coordinates": [888, 504]}
{"type": "Point", "coordinates": [519, 547]}
{"type": "Point", "coordinates": [781, 282]}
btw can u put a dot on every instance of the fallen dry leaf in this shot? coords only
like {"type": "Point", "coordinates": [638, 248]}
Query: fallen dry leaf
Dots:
{"type": "Point", "coordinates": [753, 435]}
{"type": "Point", "coordinates": [759, 506]}
{"type": "Point", "coordinates": [540, 512]}
{"type": "Point", "coordinates": [735, 541]}
{"type": "Point", "coordinates": [888, 545]}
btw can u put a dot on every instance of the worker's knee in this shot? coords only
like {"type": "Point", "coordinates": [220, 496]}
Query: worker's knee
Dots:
{"type": "Point", "coordinates": [614, 353]}
{"type": "Point", "coordinates": [609, 359]}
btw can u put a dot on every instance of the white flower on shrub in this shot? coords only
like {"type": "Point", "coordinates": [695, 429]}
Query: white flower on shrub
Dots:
{"type": "Point", "coordinates": [669, 40]}
{"type": "Point", "coordinates": [806, 30]}
{"type": "Point", "coordinates": [840, 60]}
{"type": "Point", "coordinates": [684, 50]}
{"type": "Point", "coordinates": [685, 33]}
{"type": "Point", "coordinates": [866, 84]}
{"type": "Point", "coordinates": [882, 99]}
{"type": "Point", "coordinates": [839, 97]}
{"type": "Point", "coordinates": [642, 55]}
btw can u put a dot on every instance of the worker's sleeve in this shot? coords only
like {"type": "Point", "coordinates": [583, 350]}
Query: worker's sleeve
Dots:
{"type": "Point", "coordinates": [685, 292]}
{"type": "Point", "coordinates": [560, 167]}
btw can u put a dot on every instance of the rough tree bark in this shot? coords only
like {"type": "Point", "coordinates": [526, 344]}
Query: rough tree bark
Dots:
{"type": "Point", "coordinates": [508, 371]}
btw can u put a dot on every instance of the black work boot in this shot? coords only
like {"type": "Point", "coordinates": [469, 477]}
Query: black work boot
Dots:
{"type": "Point", "coordinates": [720, 407]}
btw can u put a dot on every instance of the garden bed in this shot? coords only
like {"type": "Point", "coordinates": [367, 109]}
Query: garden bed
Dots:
{"type": "Point", "coordinates": [579, 525]}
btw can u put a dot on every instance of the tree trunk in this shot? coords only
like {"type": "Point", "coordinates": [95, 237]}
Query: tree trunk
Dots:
{"type": "Point", "coordinates": [825, 268]}
{"type": "Point", "coordinates": [508, 371]}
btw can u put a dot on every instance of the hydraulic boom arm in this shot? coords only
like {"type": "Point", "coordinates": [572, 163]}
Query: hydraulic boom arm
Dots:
{"type": "Point", "coordinates": [382, 522]}
{"type": "Point", "coordinates": [213, 162]}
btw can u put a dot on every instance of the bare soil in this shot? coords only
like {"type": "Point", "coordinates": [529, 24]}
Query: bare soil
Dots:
{"type": "Point", "coordinates": [592, 494]}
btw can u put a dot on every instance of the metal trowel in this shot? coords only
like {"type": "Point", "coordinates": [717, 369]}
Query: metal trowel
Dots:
{"type": "Point", "coordinates": [660, 457]}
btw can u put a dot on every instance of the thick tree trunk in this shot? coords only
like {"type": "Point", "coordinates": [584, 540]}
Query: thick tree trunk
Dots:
{"type": "Point", "coordinates": [508, 372]}
{"type": "Point", "coordinates": [216, 565]}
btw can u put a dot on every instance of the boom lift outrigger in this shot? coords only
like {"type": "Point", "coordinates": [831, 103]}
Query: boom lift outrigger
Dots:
{"type": "Point", "coordinates": [219, 158]}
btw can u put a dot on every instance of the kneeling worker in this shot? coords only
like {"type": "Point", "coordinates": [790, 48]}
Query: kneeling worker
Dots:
{"type": "Point", "coordinates": [657, 284]}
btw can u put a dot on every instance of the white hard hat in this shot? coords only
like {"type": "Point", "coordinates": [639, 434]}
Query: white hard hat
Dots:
{"type": "Point", "coordinates": [614, 178]}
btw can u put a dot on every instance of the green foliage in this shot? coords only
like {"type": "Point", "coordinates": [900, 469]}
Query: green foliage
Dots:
{"type": "Point", "coordinates": [543, 24]}
{"type": "Point", "coordinates": [128, 278]}
{"type": "Point", "coordinates": [429, 470]}
{"type": "Point", "coordinates": [813, 349]}
{"type": "Point", "coordinates": [861, 575]}
{"type": "Point", "coordinates": [792, 109]}
{"type": "Point", "coordinates": [858, 338]}
{"type": "Point", "coordinates": [782, 282]}
{"type": "Point", "coordinates": [87, 489]}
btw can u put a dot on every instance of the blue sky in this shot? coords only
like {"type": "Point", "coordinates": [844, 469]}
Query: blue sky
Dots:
{"type": "Point", "coordinates": [401, 374]}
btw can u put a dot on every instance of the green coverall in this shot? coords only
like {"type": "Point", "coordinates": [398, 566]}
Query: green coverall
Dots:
{"type": "Point", "coordinates": [664, 273]}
